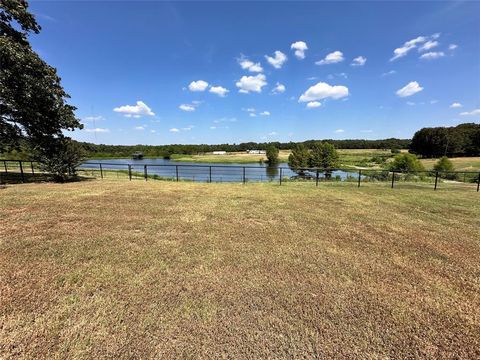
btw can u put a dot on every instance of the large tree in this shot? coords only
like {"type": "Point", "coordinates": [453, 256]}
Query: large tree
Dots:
{"type": "Point", "coordinates": [32, 101]}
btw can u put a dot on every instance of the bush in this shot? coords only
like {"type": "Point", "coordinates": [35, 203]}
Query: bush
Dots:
{"type": "Point", "coordinates": [60, 158]}
{"type": "Point", "coordinates": [272, 155]}
{"type": "Point", "coordinates": [406, 163]}
{"type": "Point", "coordinates": [444, 166]}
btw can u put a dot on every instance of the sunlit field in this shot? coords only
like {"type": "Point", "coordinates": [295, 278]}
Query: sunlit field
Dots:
{"type": "Point", "coordinates": [123, 269]}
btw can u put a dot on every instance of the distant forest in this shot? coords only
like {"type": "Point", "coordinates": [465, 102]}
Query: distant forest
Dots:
{"type": "Point", "coordinates": [101, 150]}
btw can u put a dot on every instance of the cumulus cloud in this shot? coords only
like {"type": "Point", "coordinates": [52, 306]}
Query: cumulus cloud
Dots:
{"type": "Point", "coordinates": [410, 89]}
{"type": "Point", "coordinates": [278, 60]}
{"type": "Point", "coordinates": [136, 111]}
{"type": "Point", "coordinates": [430, 44]}
{"type": "Point", "coordinates": [219, 90]}
{"type": "Point", "coordinates": [323, 90]}
{"type": "Point", "coordinates": [174, 130]}
{"type": "Point", "coordinates": [97, 130]}
{"type": "Point", "coordinates": [187, 107]}
{"type": "Point", "coordinates": [473, 112]}
{"type": "Point", "coordinates": [313, 104]}
{"type": "Point", "coordinates": [248, 84]}
{"type": "Point", "coordinates": [339, 131]}
{"type": "Point", "coordinates": [279, 88]}
{"type": "Point", "coordinates": [249, 65]}
{"type": "Point", "coordinates": [300, 47]}
{"type": "Point", "coordinates": [359, 61]}
{"type": "Point", "coordinates": [409, 45]}
{"type": "Point", "coordinates": [93, 118]}
{"type": "Point", "coordinates": [332, 58]}
{"type": "Point", "coordinates": [265, 113]}
{"type": "Point", "coordinates": [432, 55]}
{"type": "Point", "coordinates": [199, 85]}
{"type": "Point", "coordinates": [456, 105]}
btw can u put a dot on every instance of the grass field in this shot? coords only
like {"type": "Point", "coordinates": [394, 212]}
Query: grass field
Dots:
{"type": "Point", "coordinates": [122, 269]}
{"type": "Point", "coordinates": [460, 163]}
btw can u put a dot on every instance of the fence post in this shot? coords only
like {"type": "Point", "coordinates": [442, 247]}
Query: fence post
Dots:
{"type": "Point", "coordinates": [316, 179]}
{"type": "Point", "coordinates": [393, 178]}
{"type": "Point", "coordinates": [101, 171]}
{"type": "Point", "coordinates": [176, 172]}
{"type": "Point", "coordinates": [210, 174]}
{"type": "Point", "coordinates": [145, 175]}
{"type": "Point", "coordinates": [21, 171]}
{"type": "Point", "coordinates": [130, 172]}
{"type": "Point", "coordinates": [359, 177]}
{"type": "Point", "coordinates": [5, 166]}
{"type": "Point", "coordinates": [478, 182]}
{"type": "Point", "coordinates": [244, 174]}
{"type": "Point", "coordinates": [280, 176]}
{"type": "Point", "coordinates": [436, 180]}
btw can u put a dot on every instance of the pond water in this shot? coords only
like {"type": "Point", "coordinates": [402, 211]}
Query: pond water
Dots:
{"type": "Point", "coordinates": [216, 172]}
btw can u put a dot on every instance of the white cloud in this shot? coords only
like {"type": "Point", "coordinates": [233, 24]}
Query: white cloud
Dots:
{"type": "Point", "coordinates": [473, 112]}
{"type": "Point", "coordinates": [273, 133]}
{"type": "Point", "coordinates": [359, 61]}
{"type": "Point", "coordinates": [135, 111]}
{"type": "Point", "coordinates": [313, 104]}
{"type": "Point", "coordinates": [456, 105]}
{"type": "Point", "coordinates": [248, 109]}
{"type": "Point", "coordinates": [278, 89]}
{"type": "Point", "coordinates": [391, 72]}
{"type": "Point", "coordinates": [225, 120]}
{"type": "Point", "coordinates": [410, 103]}
{"type": "Point", "coordinates": [409, 45]}
{"type": "Point", "coordinates": [187, 107]}
{"type": "Point", "coordinates": [213, 127]}
{"type": "Point", "coordinates": [251, 83]}
{"type": "Point", "coordinates": [410, 89]}
{"type": "Point", "coordinates": [300, 48]}
{"type": "Point", "coordinates": [249, 65]}
{"type": "Point", "coordinates": [332, 58]}
{"type": "Point", "coordinates": [139, 128]}
{"type": "Point", "coordinates": [323, 90]}
{"type": "Point", "coordinates": [452, 46]}
{"type": "Point", "coordinates": [199, 85]}
{"type": "Point", "coordinates": [174, 130]}
{"type": "Point", "coordinates": [277, 61]}
{"type": "Point", "coordinates": [433, 101]}
{"type": "Point", "coordinates": [188, 128]}
{"type": "Point", "coordinates": [339, 131]}
{"type": "Point", "coordinates": [93, 118]}
{"type": "Point", "coordinates": [252, 114]}
{"type": "Point", "coordinates": [153, 131]}
{"type": "Point", "coordinates": [265, 113]}
{"type": "Point", "coordinates": [97, 130]}
{"type": "Point", "coordinates": [219, 90]}
{"type": "Point", "coordinates": [430, 44]}
{"type": "Point", "coordinates": [432, 55]}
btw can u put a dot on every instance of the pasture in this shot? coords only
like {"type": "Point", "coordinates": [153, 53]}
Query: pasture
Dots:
{"type": "Point", "coordinates": [162, 269]}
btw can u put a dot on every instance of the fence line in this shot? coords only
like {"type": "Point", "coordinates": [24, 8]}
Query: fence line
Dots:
{"type": "Point", "coordinates": [24, 171]}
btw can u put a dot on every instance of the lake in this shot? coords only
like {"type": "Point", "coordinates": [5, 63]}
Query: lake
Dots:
{"type": "Point", "coordinates": [217, 172]}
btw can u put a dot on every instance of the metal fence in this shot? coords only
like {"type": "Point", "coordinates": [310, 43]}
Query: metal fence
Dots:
{"type": "Point", "coordinates": [29, 171]}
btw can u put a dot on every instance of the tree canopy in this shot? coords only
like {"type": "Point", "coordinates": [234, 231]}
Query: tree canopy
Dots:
{"type": "Point", "coordinates": [32, 101]}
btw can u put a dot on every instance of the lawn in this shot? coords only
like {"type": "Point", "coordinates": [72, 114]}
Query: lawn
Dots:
{"type": "Point", "coordinates": [139, 269]}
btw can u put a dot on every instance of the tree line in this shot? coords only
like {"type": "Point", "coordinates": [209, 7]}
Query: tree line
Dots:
{"type": "Point", "coordinates": [461, 140]}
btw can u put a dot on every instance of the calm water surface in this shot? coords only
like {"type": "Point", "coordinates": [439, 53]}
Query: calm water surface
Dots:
{"type": "Point", "coordinates": [229, 172]}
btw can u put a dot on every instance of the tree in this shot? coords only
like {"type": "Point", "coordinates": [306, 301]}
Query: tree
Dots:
{"type": "Point", "coordinates": [445, 167]}
{"type": "Point", "coordinates": [407, 163]}
{"type": "Point", "coordinates": [324, 155]}
{"type": "Point", "coordinates": [60, 159]}
{"type": "Point", "coordinates": [272, 155]}
{"type": "Point", "coordinates": [299, 158]}
{"type": "Point", "coordinates": [32, 101]}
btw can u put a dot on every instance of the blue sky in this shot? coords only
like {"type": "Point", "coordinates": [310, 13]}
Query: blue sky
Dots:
{"type": "Point", "coordinates": [218, 72]}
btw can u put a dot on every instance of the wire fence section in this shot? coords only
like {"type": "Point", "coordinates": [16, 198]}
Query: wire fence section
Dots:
{"type": "Point", "coordinates": [28, 171]}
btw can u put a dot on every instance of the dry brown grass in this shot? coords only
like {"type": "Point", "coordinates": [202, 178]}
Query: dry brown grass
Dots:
{"type": "Point", "coordinates": [133, 269]}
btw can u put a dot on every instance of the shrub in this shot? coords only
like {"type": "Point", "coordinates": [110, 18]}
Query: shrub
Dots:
{"type": "Point", "coordinates": [444, 165]}
{"type": "Point", "coordinates": [407, 163]}
{"type": "Point", "coordinates": [272, 155]}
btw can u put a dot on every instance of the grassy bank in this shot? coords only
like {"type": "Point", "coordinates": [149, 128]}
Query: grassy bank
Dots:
{"type": "Point", "coordinates": [160, 269]}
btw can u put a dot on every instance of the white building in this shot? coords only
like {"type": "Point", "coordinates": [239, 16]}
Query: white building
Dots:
{"type": "Point", "coordinates": [219, 152]}
{"type": "Point", "coordinates": [262, 152]}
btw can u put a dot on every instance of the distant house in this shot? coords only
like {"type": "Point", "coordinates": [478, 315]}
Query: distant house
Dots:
{"type": "Point", "coordinates": [261, 152]}
{"type": "Point", "coordinates": [219, 152]}
{"type": "Point", "coordinates": [137, 155]}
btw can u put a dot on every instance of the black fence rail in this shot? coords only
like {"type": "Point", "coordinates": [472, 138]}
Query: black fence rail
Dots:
{"type": "Point", "coordinates": [28, 171]}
